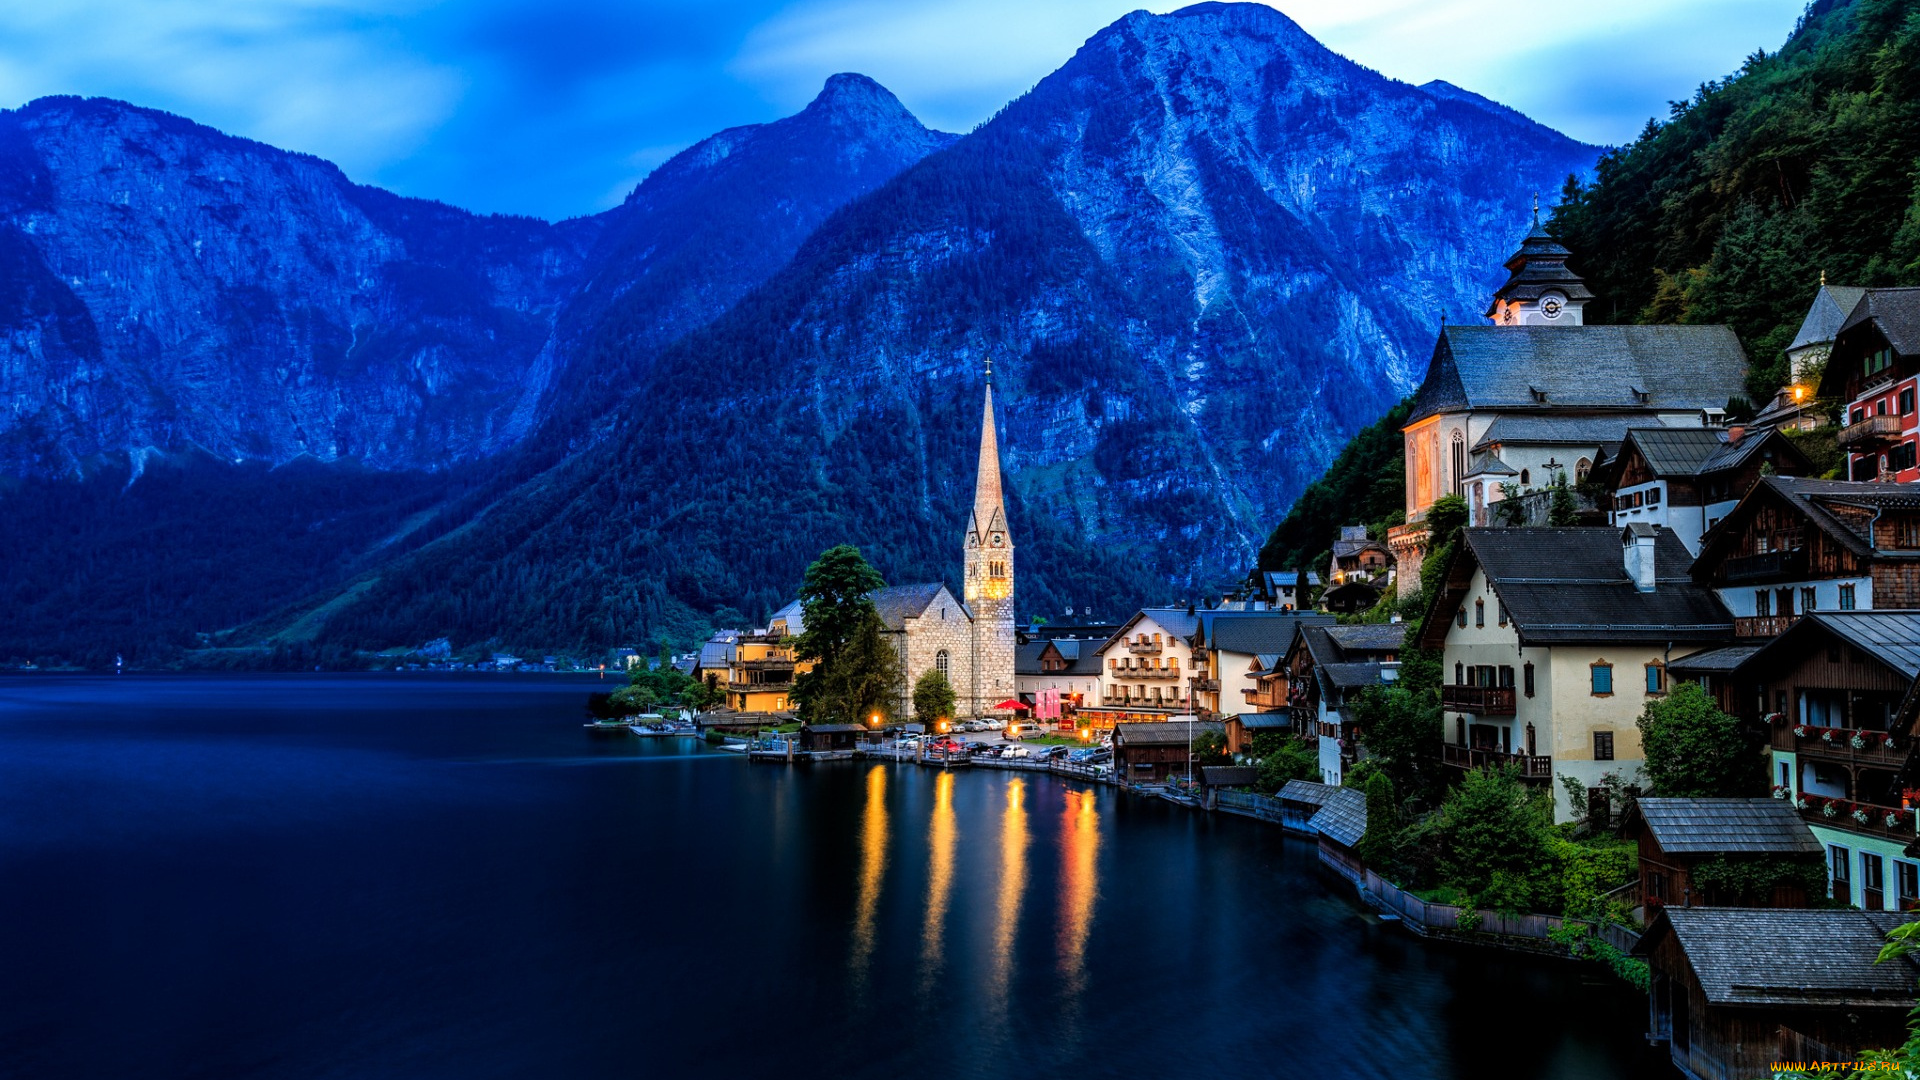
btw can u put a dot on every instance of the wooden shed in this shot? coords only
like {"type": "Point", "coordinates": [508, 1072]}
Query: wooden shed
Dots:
{"type": "Point", "coordinates": [1736, 989]}
{"type": "Point", "coordinates": [1149, 753]}
{"type": "Point", "coordinates": [1677, 835]}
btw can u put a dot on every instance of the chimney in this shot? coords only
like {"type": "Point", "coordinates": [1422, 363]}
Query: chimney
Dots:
{"type": "Point", "coordinates": [1735, 434]}
{"type": "Point", "coordinates": [1637, 540]}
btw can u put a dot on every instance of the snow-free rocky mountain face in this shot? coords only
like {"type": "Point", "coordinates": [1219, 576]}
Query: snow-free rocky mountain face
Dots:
{"type": "Point", "coordinates": [1201, 254]}
{"type": "Point", "coordinates": [163, 285]}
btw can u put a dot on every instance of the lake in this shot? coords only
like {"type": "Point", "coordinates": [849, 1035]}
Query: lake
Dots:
{"type": "Point", "coordinates": [444, 876]}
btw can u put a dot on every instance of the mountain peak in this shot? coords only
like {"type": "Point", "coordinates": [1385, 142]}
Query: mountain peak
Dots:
{"type": "Point", "coordinates": [855, 96]}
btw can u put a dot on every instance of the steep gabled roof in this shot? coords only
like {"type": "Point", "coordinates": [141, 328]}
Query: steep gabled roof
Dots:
{"type": "Point", "coordinates": [1164, 732]}
{"type": "Point", "coordinates": [1692, 452]}
{"type": "Point", "coordinates": [1180, 622]}
{"type": "Point", "coordinates": [898, 603]}
{"type": "Point", "coordinates": [1531, 368]}
{"type": "Point", "coordinates": [1562, 586]}
{"type": "Point", "coordinates": [1342, 818]}
{"type": "Point", "coordinates": [1815, 500]}
{"type": "Point", "coordinates": [1828, 312]}
{"type": "Point", "coordinates": [1896, 312]}
{"type": "Point", "coordinates": [1256, 632]}
{"type": "Point", "coordinates": [1726, 826]}
{"type": "Point", "coordinates": [1368, 638]}
{"type": "Point", "coordinates": [1820, 958]}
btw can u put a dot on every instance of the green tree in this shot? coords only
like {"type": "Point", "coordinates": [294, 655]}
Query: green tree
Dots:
{"type": "Point", "coordinates": [835, 605]}
{"type": "Point", "coordinates": [932, 698]}
{"type": "Point", "coordinates": [1401, 731]}
{"type": "Point", "coordinates": [862, 682]}
{"type": "Point", "coordinates": [1210, 748]}
{"type": "Point", "coordinates": [1562, 512]}
{"type": "Point", "coordinates": [1376, 846]}
{"type": "Point", "coordinates": [1693, 750]}
{"type": "Point", "coordinates": [1280, 757]}
{"type": "Point", "coordinates": [1492, 835]}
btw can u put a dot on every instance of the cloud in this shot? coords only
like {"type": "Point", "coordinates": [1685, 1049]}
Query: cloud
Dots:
{"type": "Point", "coordinates": [556, 107]}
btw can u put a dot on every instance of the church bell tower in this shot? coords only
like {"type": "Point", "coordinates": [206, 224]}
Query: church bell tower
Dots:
{"type": "Point", "coordinates": [989, 562]}
{"type": "Point", "coordinates": [1541, 290]}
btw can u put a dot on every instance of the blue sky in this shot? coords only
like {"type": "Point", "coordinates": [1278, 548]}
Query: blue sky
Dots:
{"type": "Point", "coordinates": [558, 107]}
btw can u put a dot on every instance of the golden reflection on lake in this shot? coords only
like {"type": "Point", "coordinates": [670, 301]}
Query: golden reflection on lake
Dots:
{"type": "Point", "coordinates": [1013, 885]}
{"type": "Point", "coordinates": [873, 869]}
{"type": "Point", "coordinates": [1079, 882]}
{"type": "Point", "coordinates": [942, 835]}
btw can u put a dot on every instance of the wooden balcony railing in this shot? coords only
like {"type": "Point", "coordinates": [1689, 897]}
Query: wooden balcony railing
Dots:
{"type": "Point", "coordinates": [1484, 700]}
{"type": "Point", "coordinates": [1205, 684]}
{"type": "Point", "coordinates": [1791, 563]}
{"type": "Point", "coordinates": [1143, 647]}
{"type": "Point", "coordinates": [1866, 819]}
{"type": "Point", "coordinates": [1870, 432]}
{"type": "Point", "coordinates": [759, 687]}
{"type": "Point", "coordinates": [1269, 699]}
{"type": "Point", "coordinates": [1762, 626]}
{"type": "Point", "coordinates": [1532, 766]}
{"type": "Point", "coordinates": [765, 665]}
{"type": "Point", "coordinates": [1880, 748]}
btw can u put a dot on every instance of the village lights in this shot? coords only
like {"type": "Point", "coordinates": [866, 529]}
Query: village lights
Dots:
{"type": "Point", "coordinates": [1799, 393]}
{"type": "Point", "coordinates": [875, 721]}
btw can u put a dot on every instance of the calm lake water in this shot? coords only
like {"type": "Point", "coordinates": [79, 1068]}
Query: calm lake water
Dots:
{"type": "Point", "coordinates": [391, 876]}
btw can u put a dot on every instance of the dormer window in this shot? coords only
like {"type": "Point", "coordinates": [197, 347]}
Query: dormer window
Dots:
{"type": "Point", "coordinates": [1641, 396]}
{"type": "Point", "coordinates": [1539, 395]}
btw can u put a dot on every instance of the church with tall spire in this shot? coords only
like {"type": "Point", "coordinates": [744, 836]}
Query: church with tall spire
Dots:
{"type": "Point", "coordinates": [970, 641]}
{"type": "Point", "coordinates": [989, 573]}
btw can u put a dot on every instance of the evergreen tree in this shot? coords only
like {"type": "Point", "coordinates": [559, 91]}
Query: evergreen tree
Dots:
{"type": "Point", "coordinates": [1563, 512]}
{"type": "Point", "coordinates": [1383, 823]}
{"type": "Point", "coordinates": [932, 698]}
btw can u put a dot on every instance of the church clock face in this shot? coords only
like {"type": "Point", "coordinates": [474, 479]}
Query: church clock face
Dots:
{"type": "Point", "coordinates": [1551, 307]}
{"type": "Point", "coordinates": [998, 540]}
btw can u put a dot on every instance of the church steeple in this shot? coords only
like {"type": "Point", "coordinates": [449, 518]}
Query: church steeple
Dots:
{"type": "Point", "coordinates": [1541, 290]}
{"type": "Point", "coordinates": [989, 507]}
{"type": "Point", "coordinates": [989, 561]}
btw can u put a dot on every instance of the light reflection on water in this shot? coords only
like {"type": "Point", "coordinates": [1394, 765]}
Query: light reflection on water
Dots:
{"type": "Point", "coordinates": [942, 836]}
{"type": "Point", "coordinates": [873, 871]}
{"type": "Point", "coordinates": [1079, 885]}
{"type": "Point", "coordinates": [1013, 886]}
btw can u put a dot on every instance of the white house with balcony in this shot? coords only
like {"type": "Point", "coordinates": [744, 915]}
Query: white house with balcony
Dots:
{"type": "Point", "coordinates": [1145, 668]}
{"type": "Point", "coordinates": [1554, 640]}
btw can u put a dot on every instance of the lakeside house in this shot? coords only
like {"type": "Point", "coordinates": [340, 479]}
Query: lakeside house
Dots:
{"type": "Point", "coordinates": [1674, 836]}
{"type": "Point", "coordinates": [1153, 752]}
{"type": "Point", "coordinates": [1554, 640]}
{"type": "Point", "coordinates": [1144, 667]}
{"type": "Point", "coordinates": [1874, 367]}
{"type": "Point", "coordinates": [1795, 545]}
{"type": "Point", "coordinates": [1736, 989]}
{"type": "Point", "coordinates": [1228, 645]}
{"type": "Point", "coordinates": [1685, 480]}
{"type": "Point", "coordinates": [1339, 824]}
{"type": "Point", "coordinates": [1068, 666]}
{"type": "Point", "coordinates": [1837, 695]}
{"type": "Point", "coordinates": [1327, 666]}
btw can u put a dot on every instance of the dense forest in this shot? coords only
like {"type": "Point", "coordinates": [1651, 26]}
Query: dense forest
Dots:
{"type": "Point", "coordinates": [1804, 161]}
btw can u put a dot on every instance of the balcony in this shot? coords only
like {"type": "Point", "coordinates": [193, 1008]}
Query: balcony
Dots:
{"type": "Point", "coordinates": [1762, 626]}
{"type": "Point", "coordinates": [1791, 563]}
{"type": "Point", "coordinates": [1867, 819]}
{"type": "Point", "coordinates": [739, 687]}
{"type": "Point", "coordinates": [1144, 648]}
{"type": "Point", "coordinates": [1872, 433]}
{"type": "Point", "coordinates": [1206, 685]}
{"type": "Point", "coordinates": [1884, 749]}
{"type": "Point", "coordinates": [1146, 673]}
{"type": "Point", "coordinates": [1532, 766]}
{"type": "Point", "coordinates": [1121, 702]}
{"type": "Point", "coordinates": [1483, 700]}
{"type": "Point", "coordinates": [1270, 700]}
{"type": "Point", "coordinates": [764, 665]}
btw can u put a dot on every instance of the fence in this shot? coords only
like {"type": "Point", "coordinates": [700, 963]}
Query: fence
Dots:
{"type": "Point", "coordinates": [1426, 918]}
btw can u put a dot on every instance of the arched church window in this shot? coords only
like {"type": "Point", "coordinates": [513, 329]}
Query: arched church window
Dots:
{"type": "Point", "coordinates": [1459, 459]}
{"type": "Point", "coordinates": [1580, 470]}
{"type": "Point", "coordinates": [1526, 477]}
{"type": "Point", "coordinates": [940, 659]}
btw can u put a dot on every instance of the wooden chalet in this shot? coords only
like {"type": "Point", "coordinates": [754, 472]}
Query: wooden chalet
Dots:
{"type": "Point", "coordinates": [1736, 989]}
{"type": "Point", "coordinates": [1874, 367]}
{"type": "Point", "coordinates": [1150, 753]}
{"type": "Point", "coordinates": [1686, 479]}
{"type": "Point", "coordinates": [1795, 545]}
{"type": "Point", "coordinates": [1676, 835]}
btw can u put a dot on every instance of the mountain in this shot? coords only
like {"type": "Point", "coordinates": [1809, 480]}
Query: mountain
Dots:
{"type": "Point", "coordinates": [1801, 164]}
{"type": "Point", "coordinates": [234, 377]}
{"type": "Point", "coordinates": [1201, 254]}
{"type": "Point", "coordinates": [164, 285]}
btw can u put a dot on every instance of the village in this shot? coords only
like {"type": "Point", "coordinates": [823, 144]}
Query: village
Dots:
{"type": "Point", "coordinates": [1594, 556]}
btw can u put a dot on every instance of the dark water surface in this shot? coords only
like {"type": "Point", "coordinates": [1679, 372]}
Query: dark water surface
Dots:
{"type": "Point", "coordinates": [388, 876]}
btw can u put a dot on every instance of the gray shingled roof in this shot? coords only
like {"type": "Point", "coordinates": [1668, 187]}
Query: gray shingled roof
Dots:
{"type": "Point", "coordinates": [1689, 452]}
{"type": "Point", "coordinates": [794, 614]}
{"type": "Point", "coordinates": [1487, 463]}
{"type": "Point", "coordinates": [1306, 791]}
{"type": "Point", "coordinates": [1228, 775]}
{"type": "Point", "coordinates": [1266, 721]}
{"type": "Point", "coordinates": [898, 603]}
{"type": "Point", "coordinates": [1349, 676]}
{"type": "Point", "coordinates": [1828, 312]}
{"type": "Point", "coordinates": [1342, 818]}
{"type": "Point", "coordinates": [1255, 632]}
{"type": "Point", "coordinates": [1712, 661]}
{"type": "Point", "coordinates": [1595, 431]}
{"type": "Point", "coordinates": [1026, 658]}
{"type": "Point", "coordinates": [1500, 367]}
{"type": "Point", "coordinates": [1571, 585]}
{"type": "Point", "coordinates": [1814, 498]}
{"type": "Point", "coordinates": [1896, 311]}
{"type": "Point", "coordinates": [1368, 637]}
{"type": "Point", "coordinates": [1163, 733]}
{"type": "Point", "coordinates": [1727, 826]}
{"type": "Point", "coordinates": [1788, 956]}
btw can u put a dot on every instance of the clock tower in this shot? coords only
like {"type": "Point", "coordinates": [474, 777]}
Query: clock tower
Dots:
{"type": "Point", "coordinates": [989, 569]}
{"type": "Point", "coordinates": [1540, 289]}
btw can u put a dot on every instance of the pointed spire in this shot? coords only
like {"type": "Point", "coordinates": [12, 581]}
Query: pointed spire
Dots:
{"type": "Point", "coordinates": [1536, 209]}
{"type": "Point", "coordinates": [989, 509]}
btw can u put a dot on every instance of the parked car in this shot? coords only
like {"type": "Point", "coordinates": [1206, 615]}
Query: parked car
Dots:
{"type": "Point", "coordinates": [1016, 752]}
{"type": "Point", "coordinates": [1048, 753]}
